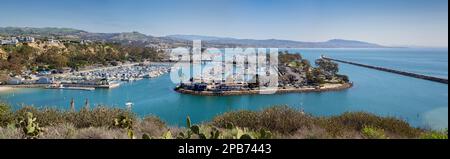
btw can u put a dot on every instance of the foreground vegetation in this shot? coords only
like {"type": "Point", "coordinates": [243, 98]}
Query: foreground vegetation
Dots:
{"type": "Point", "coordinates": [276, 122]}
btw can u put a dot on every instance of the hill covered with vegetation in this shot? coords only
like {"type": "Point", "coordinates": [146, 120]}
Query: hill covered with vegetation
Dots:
{"type": "Point", "coordinates": [44, 56]}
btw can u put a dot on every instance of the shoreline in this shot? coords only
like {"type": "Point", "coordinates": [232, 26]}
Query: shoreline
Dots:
{"type": "Point", "coordinates": [340, 87]}
{"type": "Point", "coordinates": [6, 89]}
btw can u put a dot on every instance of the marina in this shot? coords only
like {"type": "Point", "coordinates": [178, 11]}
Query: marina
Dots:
{"type": "Point", "coordinates": [127, 73]}
{"type": "Point", "coordinates": [98, 78]}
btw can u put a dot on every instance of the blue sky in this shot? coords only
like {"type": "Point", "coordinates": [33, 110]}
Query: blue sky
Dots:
{"type": "Point", "coordinates": [388, 22]}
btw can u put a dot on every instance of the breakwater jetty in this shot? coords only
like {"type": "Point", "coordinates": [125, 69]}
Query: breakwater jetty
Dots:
{"type": "Point", "coordinates": [409, 74]}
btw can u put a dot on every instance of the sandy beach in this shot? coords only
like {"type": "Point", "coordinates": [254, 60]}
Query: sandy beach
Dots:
{"type": "Point", "coordinates": [5, 89]}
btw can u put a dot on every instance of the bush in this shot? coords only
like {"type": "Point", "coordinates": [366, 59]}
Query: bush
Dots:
{"type": "Point", "coordinates": [5, 114]}
{"type": "Point", "coordinates": [358, 120]}
{"type": "Point", "coordinates": [435, 135]}
{"type": "Point", "coordinates": [290, 123]}
{"type": "Point", "coordinates": [151, 126]}
{"type": "Point", "coordinates": [64, 131]}
{"type": "Point", "coordinates": [373, 133]}
{"type": "Point", "coordinates": [284, 120]}
{"type": "Point", "coordinates": [98, 117]}
{"type": "Point", "coordinates": [248, 119]}
{"type": "Point", "coordinates": [4, 108]}
{"type": "Point", "coordinates": [45, 117]}
{"type": "Point", "coordinates": [280, 119]}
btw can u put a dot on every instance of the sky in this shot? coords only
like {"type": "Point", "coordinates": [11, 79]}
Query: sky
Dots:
{"type": "Point", "coordinates": [388, 22]}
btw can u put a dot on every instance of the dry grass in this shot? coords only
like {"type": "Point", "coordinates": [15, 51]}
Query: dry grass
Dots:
{"type": "Point", "coordinates": [98, 117]}
{"type": "Point", "coordinates": [101, 133]}
{"type": "Point", "coordinates": [152, 126]}
{"type": "Point", "coordinates": [283, 122]}
{"type": "Point", "coordinates": [10, 133]}
{"type": "Point", "coordinates": [276, 119]}
{"type": "Point", "coordinates": [290, 123]}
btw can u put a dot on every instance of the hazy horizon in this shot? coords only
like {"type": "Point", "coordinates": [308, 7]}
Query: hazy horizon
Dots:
{"type": "Point", "coordinates": [419, 23]}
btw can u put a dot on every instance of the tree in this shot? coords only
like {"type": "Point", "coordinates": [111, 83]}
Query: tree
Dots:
{"type": "Point", "coordinates": [328, 67]}
{"type": "Point", "coordinates": [54, 58]}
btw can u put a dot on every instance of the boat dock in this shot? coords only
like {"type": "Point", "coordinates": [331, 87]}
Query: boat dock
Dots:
{"type": "Point", "coordinates": [409, 74]}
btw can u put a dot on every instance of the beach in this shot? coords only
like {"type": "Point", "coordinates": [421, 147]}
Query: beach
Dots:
{"type": "Point", "coordinates": [5, 89]}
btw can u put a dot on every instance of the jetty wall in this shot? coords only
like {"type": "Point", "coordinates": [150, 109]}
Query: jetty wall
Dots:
{"type": "Point", "coordinates": [404, 73]}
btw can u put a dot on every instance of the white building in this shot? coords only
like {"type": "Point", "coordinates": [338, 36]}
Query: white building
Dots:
{"type": "Point", "coordinates": [26, 39]}
{"type": "Point", "coordinates": [13, 41]}
{"type": "Point", "coordinates": [53, 41]}
{"type": "Point", "coordinates": [44, 80]}
{"type": "Point", "coordinates": [15, 81]}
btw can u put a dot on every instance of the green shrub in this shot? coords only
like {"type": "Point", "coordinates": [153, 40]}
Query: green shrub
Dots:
{"type": "Point", "coordinates": [151, 126]}
{"type": "Point", "coordinates": [373, 133]}
{"type": "Point", "coordinates": [244, 118]}
{"type": "Point", "coordinates": [284, 120]}
{"type": "Point", "coordinates": [435, 135]}
{"type": "Point", "coordinates": [358, 120]}
{"type": "Point", "coordinates": [98, 117]}
{"type": "Point", "coordinates": [280, 119]}
{"type": "Point", "coordinates": [45, 117]}
{"type": "Point", "coordinates": [6, 116]}
{"type": "Point", "coordinates": [4, 108]}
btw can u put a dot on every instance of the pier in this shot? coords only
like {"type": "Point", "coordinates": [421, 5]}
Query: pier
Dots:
{"type": "Point", "coordinates": [409, 74]}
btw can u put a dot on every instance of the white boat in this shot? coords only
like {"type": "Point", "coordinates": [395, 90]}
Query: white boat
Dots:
{"type": "Point", "coordinates": [129, 105]}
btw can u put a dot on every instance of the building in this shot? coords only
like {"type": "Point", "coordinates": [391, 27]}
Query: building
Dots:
{"type": "Point", "coordinates": [45, 80]}
{"type": "Point", "coordinates": [64, 70]}
{"type": "Point", "coordinates": [26, 39]}
{"type": "Point", "coordinates": [15, 81]}
{"type": "Point", "coordinates": [12, 41]}
{"type": "Point", "coordinates": [53, 41]}
{"type": "Point", "coordinates": [85, 42]}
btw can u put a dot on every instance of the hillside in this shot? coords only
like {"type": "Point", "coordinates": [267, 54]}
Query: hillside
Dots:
{"type": "Point", "coordinates": [335, 43]}
{"type": "Point", "coordinates": [177, 40]}
{"type": "Point", "coordinates": [17, 31]}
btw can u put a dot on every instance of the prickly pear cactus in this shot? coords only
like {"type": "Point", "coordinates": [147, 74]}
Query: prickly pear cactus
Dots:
{"type": "Point", "coordinates": [124, 122]}
{"type": "Point", "coordinates": [31, 128]}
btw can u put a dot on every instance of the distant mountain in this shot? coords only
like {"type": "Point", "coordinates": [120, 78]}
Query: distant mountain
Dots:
{"type": "Point", "coordinates": [16, 31]}
{"type": "Point", "coordinates": [74, 34]}
{"type": "Point", "coordinates": [335, 43]}
{"type": "Point", "coordinates": [177, 40]}
{"type": "Point", "coordinates": [198, 37]}
{"type": "Point", "coordinates": [350, 43]}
